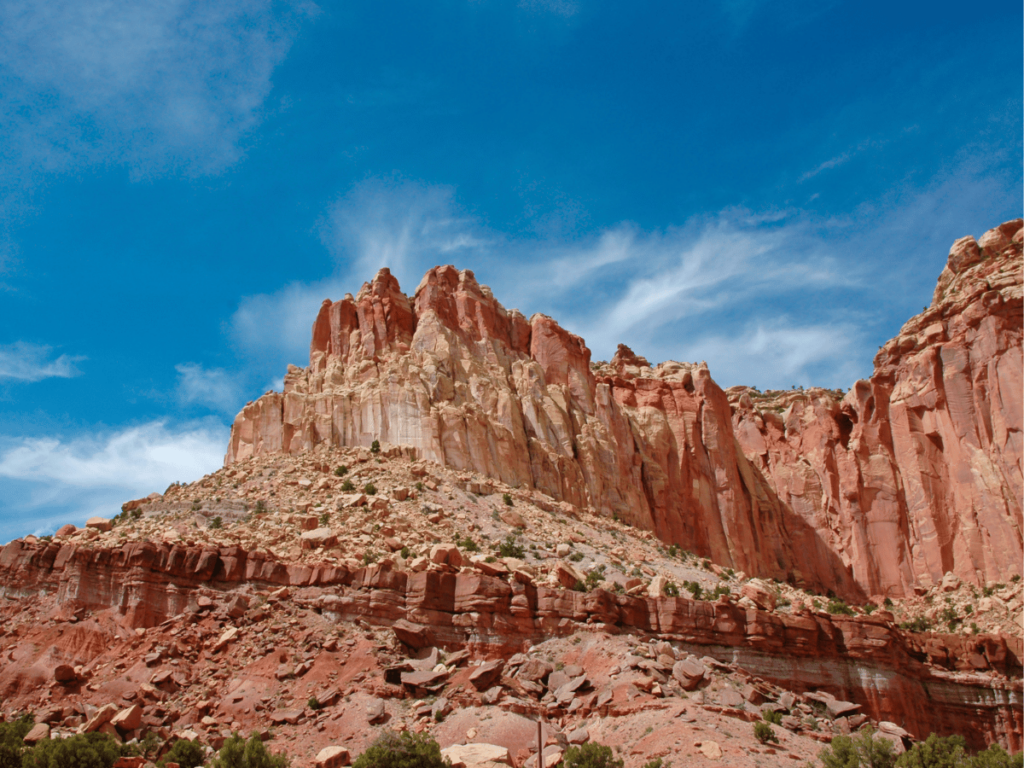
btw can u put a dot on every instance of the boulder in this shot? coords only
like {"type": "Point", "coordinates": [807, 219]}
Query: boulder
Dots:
{"type": "Point", "coordinates": [331, 757]}
{"type": "Point", "coordinates": [100, 524]}
{"type": "Point", "coordinates": [64, 673]}
{"type": "Point", "coordinates": [128, 719]}
{"type": "Point", "coordinates": [689, 673]}
{"type": "Point", "coordinates": [103, 716]}
{"type": "Point", "coordinates": [317, 538]}
{"type": "Point", "coordinates": [477, 756]}
{"type": "Point", "coordinates": [38, 732]}
{"type": "Point", "coordinates": [487, 674]}
{"type": "Point", "coordinates": [565, 575]}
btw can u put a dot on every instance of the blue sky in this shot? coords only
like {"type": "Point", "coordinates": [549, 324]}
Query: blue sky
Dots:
{"type": "Point", "coordinates": [770, 187]}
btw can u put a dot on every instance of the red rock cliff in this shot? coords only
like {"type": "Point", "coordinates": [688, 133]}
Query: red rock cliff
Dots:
{"type": "Point", "coordinates": [914, 473]}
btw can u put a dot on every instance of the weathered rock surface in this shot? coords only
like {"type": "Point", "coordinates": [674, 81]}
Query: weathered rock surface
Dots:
{"type": "Point", "coordinates": [914, 473]}
{"type": "Point", "coordinates": [931, 682]}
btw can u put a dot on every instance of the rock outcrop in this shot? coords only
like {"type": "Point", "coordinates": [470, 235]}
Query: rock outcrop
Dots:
{"type": "Point", "coordinates": [940, 683]}
{"type": "Point", "coordinates": [914, 473]}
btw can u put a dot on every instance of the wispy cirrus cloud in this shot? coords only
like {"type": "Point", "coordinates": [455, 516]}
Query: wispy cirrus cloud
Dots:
{"type": "Point", "coordinates": [214, 388]}
{"type": "Point", "coordinates": [770, 298]}
{"type": "Point", "coordinates": [175, 84]}
{"type": "Point", "coordinates": [24, 362]}
{"type": "Point", "coordinates": [55, 480]}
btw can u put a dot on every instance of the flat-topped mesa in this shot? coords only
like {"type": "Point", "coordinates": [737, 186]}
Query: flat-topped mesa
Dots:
{"type": "Point", "coordinates": [914, 473]}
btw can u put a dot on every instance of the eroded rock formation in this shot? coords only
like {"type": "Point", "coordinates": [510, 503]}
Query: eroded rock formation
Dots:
{"type": "Point", "coordinates": [940, 683]}
{"type": "Point", "coordinates": [914, 473]}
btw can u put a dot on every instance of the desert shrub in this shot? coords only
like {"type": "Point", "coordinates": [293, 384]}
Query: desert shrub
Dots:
{"type": "Point", "coordinates": [590, 755]}
{"type": "Point", "coordinates": [467, 544]}
{"type": "Point", "coordinates": [340, 471]}
{"type": "Point", "coordinates": [260, 508]}
{"type": "Point", "coordinates": [694, 588]}
{"type": "Point", "coordinates": [920, 624]}
{"type": "Point", "coordinates": [239, 753]}
{"type": "Point", "coordinates": [887, 602]}
{"type": "Point", "coordinates": [951, 617]}
{"type": "Point", "coordinates": [771, 716]}
{"type": "Point", "coordinates": [347, 486]}
{"type": "Point", "coordinates": [996, 757]}
{"type": "Point", "coordinates": [88, 750]}
{"type": "Point", "coordinates": [402, 750]}
{"type": "Point", "coordinates": [869, 608]}
{"type": "Point", "coordinates": [313, 703]}
{"type": "Point", "coordinates": [839, 606]}
{"type": "Point", "coordinates": [935, 752]}
{"type": "Point", "coordinates": [764, 732]}
{"type": "Point", "coordinates": [325, 518]}
{"type": "Point", "coordinates": [511, 547]}
{"type": "Point", "coordinates": [187, 754]}
{"type": "Point", "coordinates": [369, 489]}
{"type": "Point", "coordinates": [576, 557]}
{"type": "Point", "coordinates": [671, 589]}
{"type": "Point", "coordinates": [419, 487]}
{"type": "Point", "coordinates": [406, 553]}
{"type": "Point", "coordinates": [507, 498]}
{"type": "Point", "coordinates": [216, 523]}
{"type": "Point", "coordinates": [658, 763]}
{"type": "Point", "coordinates": [375, 446]}
{"type": "Point", "coordinates": [864, 751]}
{"type": "Point", "coordinates": [11, 741]}
{"type": "Point", "coordinates": [673, 550]}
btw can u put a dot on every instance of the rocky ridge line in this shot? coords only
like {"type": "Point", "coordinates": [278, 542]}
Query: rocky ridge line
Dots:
{"type": "Point", "coordinates": [911, 475]}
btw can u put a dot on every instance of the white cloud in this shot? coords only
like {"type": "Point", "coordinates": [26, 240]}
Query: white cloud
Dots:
{"type": "Point", "coordinates": [784, 355]}
{"type": "Point", "coordinates": [32, 362]}
{"type": "Point", "coordinates": [214, 388]}
{"type": "Point", "coordinates": [766, 298]}
{"type": "Point", "coordinates": [399, 224]}
{"type": "Point", "coordinates": [172, 84]}
{"type": "Point", "coordinates": [50, 481]}
{"type": "Point", "coordinates": [277, 327]}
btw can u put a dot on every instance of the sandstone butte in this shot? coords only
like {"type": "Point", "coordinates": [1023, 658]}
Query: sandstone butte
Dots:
{"type": "Point", "coordinates": [912, 474]}
{"type": "Point", "coordinates": [196, 613]}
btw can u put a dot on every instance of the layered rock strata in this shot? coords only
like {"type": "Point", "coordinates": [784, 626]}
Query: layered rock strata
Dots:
{"type": "Point", "coordinates": [927, 683]}
{"type": "Point", "coordinates": [912, 474]}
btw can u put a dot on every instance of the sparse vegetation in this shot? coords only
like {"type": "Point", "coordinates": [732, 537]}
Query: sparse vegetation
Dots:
{"type": "Point", "coordinates": [864, 750]}
{"type": "Point", "coordinates": [764, 733]}
{"type": "Point", "coordinates": [340, 471]}
{"type": "Point", "coordinates": [511, 547]}
{"type": "Point", "coordinates": [671, 589]}
{"type": "Point", "coordinates": [591, 755]}
{"type": "Point", "coordinates": [771, 716]}
{"type": "Point", "coordinates": [239, 753]}
{"type": "Point", "coordinates": [838, 606]}
{"type": "Point", "coordinates": [467, 544]}
{"type": "Point", "coordinates": [325, 519]}
{"type": "Point", "coordinates": [918, 624]}
{"type": "Point", "coordinates": [348, 486]}
{"type": "Point", "coordinates": [402, 750]}
{"type": "Point", "coordinates": [216, 523]}
{"type": "Point", "coordinates": [375, 447]}
{"type": "Point", "coordinates": [370, 489]}
{"type": "Point", "coordinates": [507, 498]}
{"type": "Point", "coordinates": [187, 754]}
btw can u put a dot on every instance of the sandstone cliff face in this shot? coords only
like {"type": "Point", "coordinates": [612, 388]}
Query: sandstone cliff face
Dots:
{"type": "Point", "coordinates": [912, 474]}
{"type": "Point", "coordinates": [916, 472]}
{"type": "Point", "coordinates": [929, 683]}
